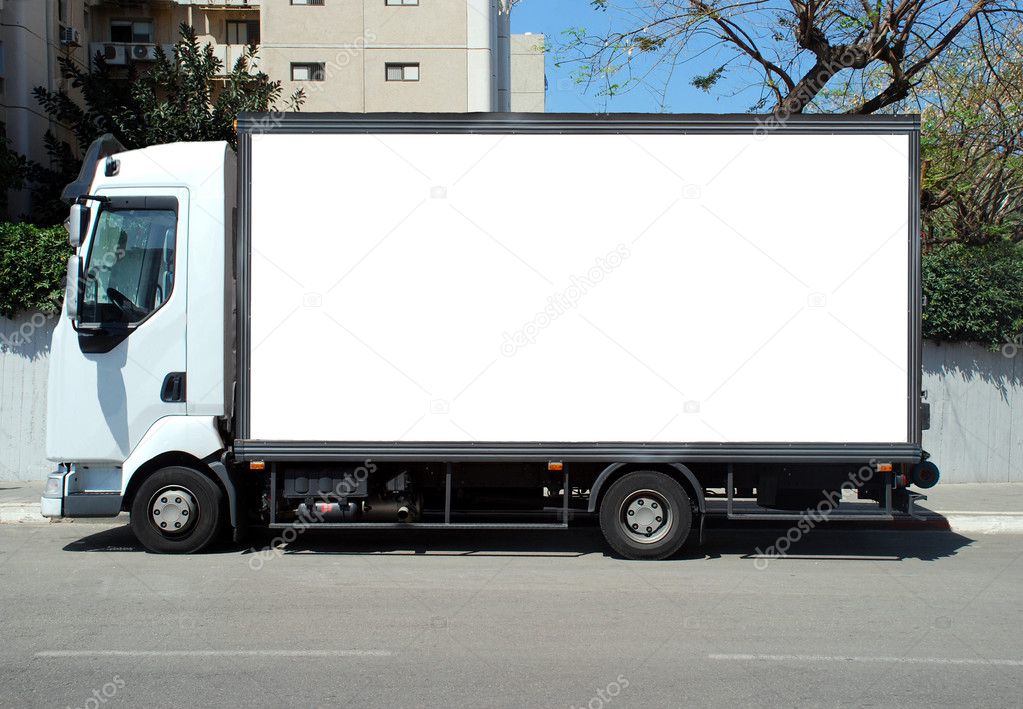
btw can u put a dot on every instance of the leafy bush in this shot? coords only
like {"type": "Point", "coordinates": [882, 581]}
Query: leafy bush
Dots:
{"type": "Point", "coordinates": [974, 293]}
{"type": "Point", "coordinates": [33, 262]}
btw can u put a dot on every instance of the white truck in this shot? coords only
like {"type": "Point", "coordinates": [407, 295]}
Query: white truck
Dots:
{"type": "Point", "coordinates": [492, 321]}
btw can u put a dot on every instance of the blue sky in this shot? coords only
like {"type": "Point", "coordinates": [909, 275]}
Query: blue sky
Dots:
{"type": "Point", "coordinates": [553, 17]}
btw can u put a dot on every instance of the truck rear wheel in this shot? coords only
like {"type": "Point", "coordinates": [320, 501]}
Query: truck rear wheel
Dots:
{"type": "Point", "coordinates": [176, 510]}
{"type": "Point", "coordinates": [646, 515]}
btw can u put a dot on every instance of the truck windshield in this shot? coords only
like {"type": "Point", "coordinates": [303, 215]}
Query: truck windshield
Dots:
{"type": "Point", "coordinates": [130, 269]}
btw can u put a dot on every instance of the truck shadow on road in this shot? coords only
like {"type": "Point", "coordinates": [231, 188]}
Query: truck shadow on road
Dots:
{"type": "Point", "coordinates": [767, 545]}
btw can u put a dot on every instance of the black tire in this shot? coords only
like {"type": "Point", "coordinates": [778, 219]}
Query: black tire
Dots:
{"type": "Point", "coordinates": [640, 492]}
{"type": "Point", "coordinates": [201, 498]}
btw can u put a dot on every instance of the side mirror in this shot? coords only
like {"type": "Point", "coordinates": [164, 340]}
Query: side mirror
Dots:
{"type": "Point", "coordinates": [77, 224]}
{"type": "Point", "coordinates": [74, 272]}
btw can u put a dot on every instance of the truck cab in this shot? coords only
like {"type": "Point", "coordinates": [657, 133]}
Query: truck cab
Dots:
{"type": "Point", "coordinates": [140, 361]}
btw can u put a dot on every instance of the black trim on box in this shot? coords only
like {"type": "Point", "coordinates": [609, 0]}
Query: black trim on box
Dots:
{"type": "Point", "coordinates": [243, 259]}
{"type": "Point", "coordinates": [92, 504]}
{"type": "Point", "coordinates": [915, 305]}
{"type": "Point", "coordinates": [249, 123]}
{"type": "Point", "coordinates": [578, 452]}
{"type": "Point", "coordinates": [554, 123]}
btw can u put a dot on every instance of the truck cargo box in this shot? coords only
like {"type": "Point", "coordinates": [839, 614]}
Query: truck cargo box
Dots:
{"type": "Point", "coordinates": [463, 287]}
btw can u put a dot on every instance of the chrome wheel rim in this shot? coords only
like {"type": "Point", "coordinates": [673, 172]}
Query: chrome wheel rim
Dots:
{"type": "Point", "coordinates": [646, 516]}
{"type": "Point", "coordinates": [173, 510]}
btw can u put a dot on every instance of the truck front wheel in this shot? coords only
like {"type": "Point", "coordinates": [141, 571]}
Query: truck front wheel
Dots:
{"type": "Point", "coordinates": [646, 515]}
{"type": "Point", "coordinates": [176, 510]}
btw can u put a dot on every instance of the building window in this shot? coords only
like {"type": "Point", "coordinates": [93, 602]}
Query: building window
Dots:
{"type": "Point", "coordinates": [402, 72]}
{"type": "Point", "coordinates": [308, 72]}
{"type": "Point", "coordinates": [401, 2]}
{"type": "Point", "coordinates": [128, 31]}
{"type": "Point", "coordinates": [306, 2]}
{"type": "Point", "coordinates": [243, 32]}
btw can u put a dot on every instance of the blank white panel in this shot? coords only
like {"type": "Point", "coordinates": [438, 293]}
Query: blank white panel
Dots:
{"type": "Point", "coordinates": [579, 288]}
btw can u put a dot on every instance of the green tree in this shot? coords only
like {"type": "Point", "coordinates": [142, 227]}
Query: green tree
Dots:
{"type": "Point", "coordinates": [182, 96]}
{"type": "Point", "coordinates": [971, 105]}
{"type": "Point", "coordinates": [972, 144]}
{"type": "Point", "coordinates": [788, 52]}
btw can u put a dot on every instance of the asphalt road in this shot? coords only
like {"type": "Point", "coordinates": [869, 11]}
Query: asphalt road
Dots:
{"type": "Point", "coordinates": [864, 618]}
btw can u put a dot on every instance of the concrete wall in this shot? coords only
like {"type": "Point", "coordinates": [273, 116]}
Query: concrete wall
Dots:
{"type": "Point", "coordinates": [976, 399]}
{"type": "Point", "coordinates": [24, 358]}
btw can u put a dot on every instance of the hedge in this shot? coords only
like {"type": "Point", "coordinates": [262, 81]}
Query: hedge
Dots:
{"type": "Point", "coordinates": [974, 293]}
{"type": "Point", "coordinates": [33, 262]}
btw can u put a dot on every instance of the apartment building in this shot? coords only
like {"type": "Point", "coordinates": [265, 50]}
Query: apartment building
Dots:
{"type": "Point", "coordinates": [347, 55]}
{"type": "Point", "coordinates": [34, 34]}
{"type": "Point", "coordinates": [390, 55]}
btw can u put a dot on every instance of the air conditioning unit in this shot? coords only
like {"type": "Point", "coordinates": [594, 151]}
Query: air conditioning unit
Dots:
{"type": "Point", "coordinates": [113, 54]}
{"type": "Point", "coordinates": [69, 36]}
{"type": "Point", "coordinates": [143, 52]}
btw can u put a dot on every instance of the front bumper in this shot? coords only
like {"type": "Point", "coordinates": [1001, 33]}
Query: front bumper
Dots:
{"type": "Point", "coordinates": [51, 506]}
{"type": "Point", "coordinates": [61, 499]}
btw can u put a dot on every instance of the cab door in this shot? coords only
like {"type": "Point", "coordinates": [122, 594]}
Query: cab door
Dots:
{"type": "Point", "coordinates": [119, 366]}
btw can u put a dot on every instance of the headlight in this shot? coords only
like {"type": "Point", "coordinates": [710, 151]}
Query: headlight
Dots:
{"type": "Point", "coordinates": [54, 485]}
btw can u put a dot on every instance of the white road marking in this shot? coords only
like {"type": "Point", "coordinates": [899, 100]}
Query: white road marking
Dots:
{"type": "Point", "coordinates": [214, 653]}
{"type": "Point", "coordinates": [854, 658]}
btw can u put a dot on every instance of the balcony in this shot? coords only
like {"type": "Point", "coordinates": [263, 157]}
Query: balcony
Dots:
{"type": "Point", "coordinates": [213, 4]}
{"type": "Point", "coordinates": [120, 53]}
{"type": "Point", "coordinates": [228, 54]}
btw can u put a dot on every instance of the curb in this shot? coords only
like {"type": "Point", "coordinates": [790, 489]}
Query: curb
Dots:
{"type": "Point", "coordinates": [983, 523]}
{"type": "Point", "coordinates": [20, 513]}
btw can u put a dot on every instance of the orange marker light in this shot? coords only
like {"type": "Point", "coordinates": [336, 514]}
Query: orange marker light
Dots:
{"type": "Point", "coordinates": [885, 467]}
{"type": "Point", "coordinates": [257, 465]}
{"type": "Point", "coordinates": [555, 466]}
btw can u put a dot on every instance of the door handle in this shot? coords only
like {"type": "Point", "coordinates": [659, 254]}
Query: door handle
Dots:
{"type": "Point", "coordinates": [173, 389]}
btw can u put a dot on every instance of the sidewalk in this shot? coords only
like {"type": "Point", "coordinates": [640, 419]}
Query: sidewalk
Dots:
{"type": "Point", "coordinates": [19, 504]}
{"type": "Point", "coordinates": [975, 508]}
{"type": "Point", "coordinates": [968, 508]}
{"type": "Point", "coordinates": [19, 501]}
